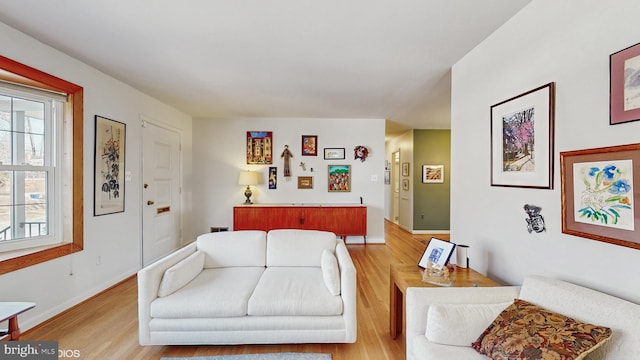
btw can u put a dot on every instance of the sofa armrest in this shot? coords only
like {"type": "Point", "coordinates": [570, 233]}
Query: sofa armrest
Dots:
{"type": "Point", "coordinates": [418, 300]}
{"type": "Point", "coordinates": [347, 289]}
{"type": "Point", "coordinates": [149, 279]}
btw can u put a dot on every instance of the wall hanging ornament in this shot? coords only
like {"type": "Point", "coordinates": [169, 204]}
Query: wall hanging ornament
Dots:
{"type": "Point", "coordinates": [535, 222]}
{"type": "Point", "coordinates": [360, 152]}
{"type": "Point", "coordinates": [287, 155]}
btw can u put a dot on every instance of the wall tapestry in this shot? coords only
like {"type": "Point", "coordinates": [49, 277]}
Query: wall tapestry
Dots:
{"type": "Point", "coordinates": [109, 166]}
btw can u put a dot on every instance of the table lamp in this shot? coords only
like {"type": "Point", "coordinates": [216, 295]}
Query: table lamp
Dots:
{"type": "Point", "coordinates": [248, 178]}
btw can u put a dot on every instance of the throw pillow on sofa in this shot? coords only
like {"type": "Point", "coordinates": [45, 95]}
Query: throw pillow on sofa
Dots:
{"type": "Point", "coordinates": [527, 331]}
{"type": "Point", "coordinates": [330, 272]}
{"type": "Point", "coordinates": [460, 324]}
{"type": "Point", "coordinates": [181, 274]}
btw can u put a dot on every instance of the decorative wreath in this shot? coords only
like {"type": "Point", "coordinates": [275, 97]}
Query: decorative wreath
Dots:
{"type": "Point", "coordinates": [360, 152]}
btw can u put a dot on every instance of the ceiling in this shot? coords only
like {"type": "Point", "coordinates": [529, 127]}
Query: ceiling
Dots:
{"type": "Point", "coordinates": [386, 59]}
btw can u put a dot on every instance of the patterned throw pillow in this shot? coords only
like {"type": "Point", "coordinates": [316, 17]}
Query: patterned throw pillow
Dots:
{"type": "Point", "coordinates": [529, 332]}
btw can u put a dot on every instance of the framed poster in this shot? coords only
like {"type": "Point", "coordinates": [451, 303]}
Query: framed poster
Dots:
{"type": "Point", "coordinates": [339, 178]}
{"type": "Point", "coordinates": [305, 182]}
{"type": "Point", "coordinates": [522, 140]}
{"type": "Point", "coordinates": [259, 147]}
{"type": "Point", "coordinates": [309, 145]}
{"type": "Point", "coordinates": [432, 174]}
{"type": "Point", "coordinates": [438, 252]}
{"type": "Point", "coordinates": [624, 85]}
{"type": "Point", "coordinates": [334, 154]}
{"type": "Point", "coordinates": [600, 194]}
{"type": "Point", "coordinates": [109, 156]}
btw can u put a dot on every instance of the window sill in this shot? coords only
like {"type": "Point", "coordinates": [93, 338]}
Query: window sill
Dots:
{"type": "Point", "coordinates": [18, 259]}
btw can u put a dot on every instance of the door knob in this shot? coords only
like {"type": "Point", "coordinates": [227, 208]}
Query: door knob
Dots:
{"type": "Point", "coordinates": [150, 202]}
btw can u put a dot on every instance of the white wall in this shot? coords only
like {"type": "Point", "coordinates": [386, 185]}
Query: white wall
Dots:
{"type": "Point", "coordinates": [115, 239]}
{"type": "Point", "coordinates": [568, 42]}
{"type": "Point", "coordinates": [219, 149]}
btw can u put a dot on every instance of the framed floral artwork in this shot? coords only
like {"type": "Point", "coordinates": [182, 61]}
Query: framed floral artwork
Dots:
{"type": "Point", "coordinates": [110, 136]}
{"type": "Point", "coordinates": [624, 85]}
{"type": "Point", "coordinates": [600, 194]}
{"type": "Point", "coordinates": [522, 139]}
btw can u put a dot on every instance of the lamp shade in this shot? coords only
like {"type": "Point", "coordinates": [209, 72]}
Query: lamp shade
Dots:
{"type": "Point", "coordinates": [248, 178]}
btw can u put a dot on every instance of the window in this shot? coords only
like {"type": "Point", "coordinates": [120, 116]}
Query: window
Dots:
{"type": "Point", "coordinates": [40, 158]}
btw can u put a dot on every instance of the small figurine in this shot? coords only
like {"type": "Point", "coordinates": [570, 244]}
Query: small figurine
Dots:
{"type": "Point", "coordinates": [360, 152]}
{"type": "Point", "coordinates": [535, 222]}
{"type": "Point", "coordinates": [303, 166]}
{"type": "Point", "coordinates": [287, 155]}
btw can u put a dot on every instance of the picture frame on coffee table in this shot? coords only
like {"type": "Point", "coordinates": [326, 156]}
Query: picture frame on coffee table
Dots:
{"type": "Point", "coordinates": [438, 252]}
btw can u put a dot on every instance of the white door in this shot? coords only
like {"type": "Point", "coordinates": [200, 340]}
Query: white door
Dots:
{"type": "Point", "coordinates": [161, 208]}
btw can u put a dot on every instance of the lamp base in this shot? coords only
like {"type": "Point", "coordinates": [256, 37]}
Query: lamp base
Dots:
{"type": "Point", "coordinates": [247, 194]}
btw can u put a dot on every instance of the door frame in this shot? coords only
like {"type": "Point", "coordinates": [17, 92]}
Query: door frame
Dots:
{"type": "Point", "coordinates": [144, 120]}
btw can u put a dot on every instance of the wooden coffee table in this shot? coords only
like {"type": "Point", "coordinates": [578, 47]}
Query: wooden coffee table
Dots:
{"type": "Point", "coordinates": [403, 276]}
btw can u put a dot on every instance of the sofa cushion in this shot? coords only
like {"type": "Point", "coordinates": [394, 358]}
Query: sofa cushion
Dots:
{"type": "Point", "coordinates": [222, 292]}
{"type": "Point", "coordinates": [460, 324]}
{"type": "Point", "coordinates": [293, 291]}
{"type": "Point", "coordinates": [331, 272]}
{"type": "Point", "coordinates": [298, 247]}
{"type": "Point", "coordinates": [181, 274]}
{"type": "Point", "coordinates": [233, 248]}
{"type": "Point", "coordinates": [525, 330]}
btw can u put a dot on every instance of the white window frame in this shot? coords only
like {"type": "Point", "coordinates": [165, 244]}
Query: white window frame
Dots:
{"type": "Point", "coordinates": [53, 160]}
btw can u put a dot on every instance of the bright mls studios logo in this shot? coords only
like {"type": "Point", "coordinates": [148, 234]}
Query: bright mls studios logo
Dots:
{"type": "Point", "coordinates": [29, 350]}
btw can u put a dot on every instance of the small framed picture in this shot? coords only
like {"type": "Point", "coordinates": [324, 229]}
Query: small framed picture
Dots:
{"type": "Point", "coordinates": [334, 154]}
{"type": "Point", "coordinates": [432, 174]}
{"type": "Point", "coordinates": [624, 93]}
{"type": "Point", "coordinates": [309, 145]}
{"type": "Point", "coordinates": [305, 182]}
{"type": "Point", "coordinates": [405, 184]}
{"type": "Point", "coordinates": [438, 252]}
{"type": "Point", "coordinates": [405, 169]}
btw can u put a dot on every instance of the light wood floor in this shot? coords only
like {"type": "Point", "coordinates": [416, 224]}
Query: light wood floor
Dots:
{"type": "Point", "coordinates": [106, 326]}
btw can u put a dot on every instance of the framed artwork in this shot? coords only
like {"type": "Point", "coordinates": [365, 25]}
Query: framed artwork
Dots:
{"type": "Point", "coordinates": [309, 145]}
{"type": "Point", "coordinates": [405, 184]}
{"type": "Point", "coordinates": [432, 174]}
{"type": "Point", "coordinates": [108, 177]}
{"type": "Point", "coordinates": [522, 139]}
{"type": "Point", "coordinates": [405, 169]}
{"type": "Point", "coordinates": [600, 194]}
{"type": "Point", "coordinates": [305, 182]}
{"type": "Point", "coordinates": [339, 178]}
{"type": "Point", "coordinates": [334, 154]}
{"type": "Point", "coordinates": [624, 85]}
{"type": "Point", "coordinates": [438, 252]}
{"type": "Point", "coordinates": [273, 177]}
{"type": "Point", "coordinates": [387, 177]}
{"type": "Point", "coordinates": [259, 147]}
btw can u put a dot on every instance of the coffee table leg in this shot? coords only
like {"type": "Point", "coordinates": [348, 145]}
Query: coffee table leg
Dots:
{"type": "Point", "coordinates": [14, 329]}
{"type": "Point", "coordinates": [395, 310]}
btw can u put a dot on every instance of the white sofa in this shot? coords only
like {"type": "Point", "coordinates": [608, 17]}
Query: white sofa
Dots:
{"type": "Point", "coordinates": [578, 302]}
{"type": "Point", "coordinates": [250, 287]}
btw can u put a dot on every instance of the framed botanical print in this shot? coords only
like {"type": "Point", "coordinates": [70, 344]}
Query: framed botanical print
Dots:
{"type": "Point", "coordinates": [109, 167]}
{"type": "Point", "coordinates": [522, 139]}
{"type": "Point", "coordinates": [600, 194]}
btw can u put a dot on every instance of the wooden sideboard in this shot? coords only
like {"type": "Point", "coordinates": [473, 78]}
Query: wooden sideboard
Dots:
{"type": "Point", "coordinates": [343, 220]}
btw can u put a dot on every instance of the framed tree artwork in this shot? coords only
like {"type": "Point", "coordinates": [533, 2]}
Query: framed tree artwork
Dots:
{"type": "Point", "coordinates": [600, 194]}
{"type": "Point", "coordinates": [522, 139]}
{"type": "Point", "coordinates": [109, 167]}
